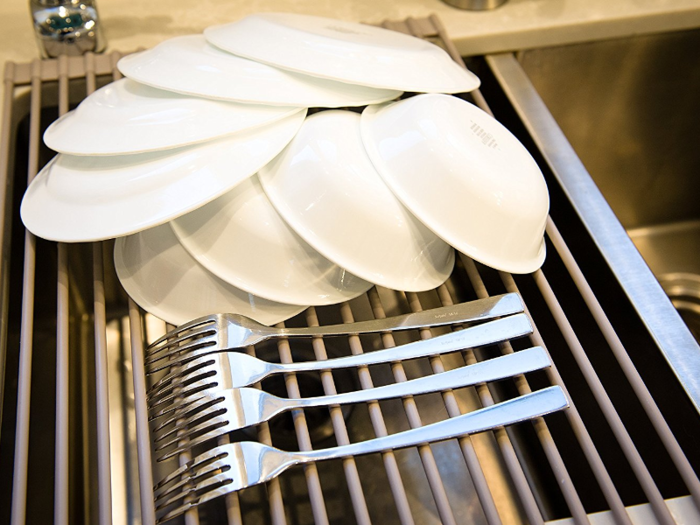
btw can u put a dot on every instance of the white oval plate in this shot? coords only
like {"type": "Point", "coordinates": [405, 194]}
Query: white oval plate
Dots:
{"type": "Point", "coordinates": [80, 199]}
{"type": "Point", "coordinates": [127, 117]}
{"type": "Point", "coordinates": [325, 187]}
{"type": "Point", "coordinates": [343, 51]}
{"type": "Point", "coordinates": [467, 177]}
{"type": "Point", "coordinates": [241, 239]}
{"type": "Point", "coordinates": [159, 274]}
{"type": "Point", "coordinates": [190, 65]}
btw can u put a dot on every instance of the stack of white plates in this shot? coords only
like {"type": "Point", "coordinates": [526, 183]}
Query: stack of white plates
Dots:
{"type": "Point", "coordinates": [224, 196]}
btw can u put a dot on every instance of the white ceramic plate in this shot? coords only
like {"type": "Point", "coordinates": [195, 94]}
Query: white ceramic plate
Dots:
{"type": "Point", "coordinates": [190, 65]}
{"type": "Point", "coordinates": [464, 175]}
{"type": "Point", "coordinates": [78, 199]}
{"type": "Point", "coordinates": [325, 187]}
{"type": "Point", "coordinates": [159, 274]}
{"type": "Point", "coordinates": [343, 51]}
{"type": "Point", "coordinates": [127, 117]}
{"type": "Point", "coordinates": [240, 238]}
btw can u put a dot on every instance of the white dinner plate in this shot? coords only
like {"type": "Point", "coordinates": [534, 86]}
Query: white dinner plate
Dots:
{"type": "Point", "coordinates": [464, 175]}
{"type": "Point", "coordinates": [159, 274]}
{"type": "Point", "coordinates": [325, 187]}
{"type": "Point", "coordinates": [190, 65]}
{"type": "Point", "coordinates": [240, 238]}
{"type": "Point", "coordinates": [343, 51]}
{"type": "Point", "coordinates": [127, 117]}
{"type": "Point", "coordinates": [79, 199]}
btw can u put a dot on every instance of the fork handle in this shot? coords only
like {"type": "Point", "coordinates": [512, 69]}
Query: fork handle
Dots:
{"type": "Point", "coordinates": [481, 309]}
{"type": "Point", "coordinates": [472, 337]}
{"type": "Point", "coordinates": [521, 408]}
{"type": "Point", "coordinates": [508, 365]}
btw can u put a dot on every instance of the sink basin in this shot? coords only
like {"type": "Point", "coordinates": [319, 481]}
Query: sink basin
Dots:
{"type": "Point", "coordinates": [629, 107]}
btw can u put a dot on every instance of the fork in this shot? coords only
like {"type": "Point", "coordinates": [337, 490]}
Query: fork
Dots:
{"type": "Point", "coordinates": [235, 369]}
{"type": "Point", "coordinates": [235, 466]}
{"type": "Point", "coordinates": [222, 411]}
{"type": "Point", "coordinates": [214, 333]}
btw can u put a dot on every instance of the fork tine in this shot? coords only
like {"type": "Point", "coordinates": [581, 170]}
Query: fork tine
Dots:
{"type": "Point", "coordinates": [210, 483]}
{"type": "Point", "coordinates": [164, 412]}
{"type": "Point", "coordinates": [164, 400]}
{"type": "Point", "coordinates": [187, 484]}
{"type": "Point", "coordinates": [204, 320]}
{"type": "Point", "coordinates": [214, 432]}
{"type": "Point", "coordinates": [189, 428]}
{"type": "Point", "coordinates": [170, 351]}
{"type": "Point", "coordinates": [183, 390]}
{"type": "Point", "coordinates": [193, 390]}
{"type": "Point", "coordinates": [178, 372]}
{"type": "Point", "coordinates": [188, 487]}
{"type": "Point", "coordinates": [181, 423]}
{"type": "Point", "coordinates": [214, 454]}
{"type": "Point", "coordinates": [194, 407]}
{"type": "Point", "coordinates": [205, 377]}
{"type": "Point", "coordinates": [179, 511]}
{"type": "Point", "coordinates": [183, 359]}
{"type": "Point", "coordinates": [175, 474]}
{"type": "Point", "coordinates": [202, 426]}
{"type": "Point", "coordinates": [180, 338]}
{"type": "Point", "coordinates": [217, 488]}
{"type": "Point", "coordinates": [217, 420]}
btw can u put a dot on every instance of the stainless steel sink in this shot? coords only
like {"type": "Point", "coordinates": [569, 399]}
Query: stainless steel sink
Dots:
{"type": "Point", "coordinates": [613, 451]}
{"type": "Point", "coordinates": [629, 107]}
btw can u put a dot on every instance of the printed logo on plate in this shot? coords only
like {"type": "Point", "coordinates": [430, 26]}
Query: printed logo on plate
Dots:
{"type": "Point", "coordinates": [484, 136]}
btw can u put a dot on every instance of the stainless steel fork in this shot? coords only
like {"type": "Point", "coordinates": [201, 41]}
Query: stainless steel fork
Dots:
{"type": "Point", "coordinates": [233, 467]}
{"type": "Point", "coordinates": [234, 369]}
{"type": "Point", "coordinates": [197, 419]}
{"type": "Point", "coordinates": [215, 333]}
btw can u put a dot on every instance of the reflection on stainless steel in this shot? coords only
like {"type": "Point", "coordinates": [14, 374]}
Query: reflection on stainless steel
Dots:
{"type": "Point", "coordinates": [636, 135]}
{"type": "Point", "coordinates": [66, 27]}
{"type": "Point", "coordinates": [633, 274]}
{"type": "Point", "coordinates": [203, 415]}
{"type": "Point", "coordinates": [671, 251]}
{"type": "Point", "coordinates": [684, 291]}
{"type": "Point", "coordinates": [122, 432]}
{"type": "Point", "coordinates": [240, 465]}
{"type": "Point", "coordinates": [633, 127]}
{"type": "Point", "coordinates": [229, 331]}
